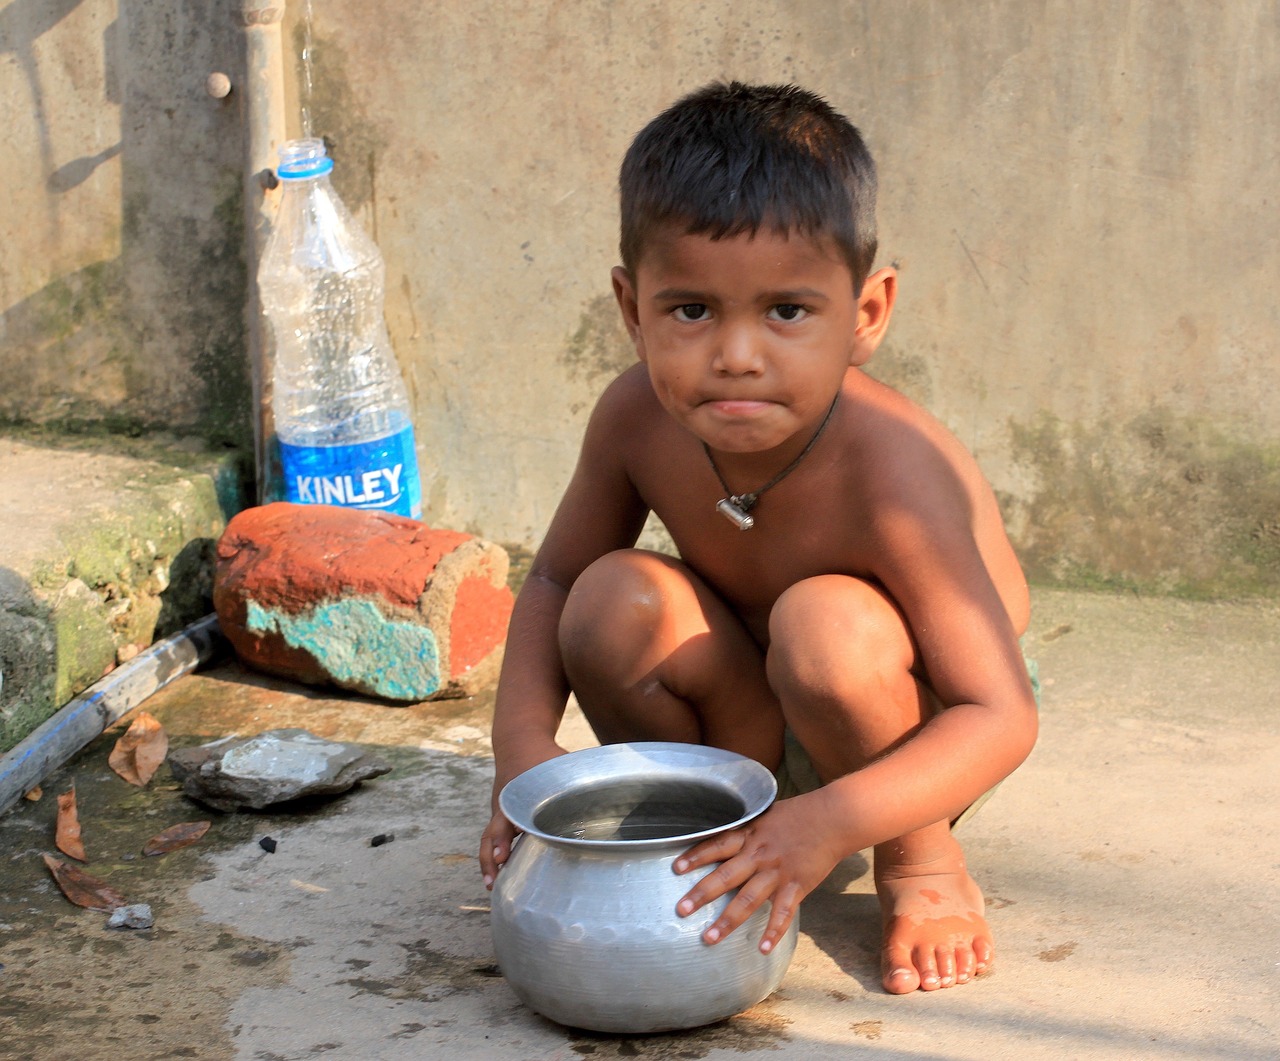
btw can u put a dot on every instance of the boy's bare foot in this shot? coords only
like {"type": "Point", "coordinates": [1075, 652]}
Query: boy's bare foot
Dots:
{"type": "Point", "coordinates": [935, 934]}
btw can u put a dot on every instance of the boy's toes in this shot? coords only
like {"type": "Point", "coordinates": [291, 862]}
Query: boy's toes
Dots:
{"type": "Point", "coordinates": [945, 962]}
{"type": "Point", "coordinates": [899, 974]}
{"type": "Point", "coordinates": [927, 967]}
{"type": "Point", "coordinates": [901, 980]}
{"type": "Point", "coordinates": [983, 954]}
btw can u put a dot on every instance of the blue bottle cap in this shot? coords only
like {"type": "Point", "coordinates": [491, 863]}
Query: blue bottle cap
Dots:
{"type": "Point", "coordinates": [300, 159]}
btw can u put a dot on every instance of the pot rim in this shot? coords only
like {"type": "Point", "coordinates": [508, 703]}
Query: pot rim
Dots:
{"type": "Point", "coordinates": [522, 798]}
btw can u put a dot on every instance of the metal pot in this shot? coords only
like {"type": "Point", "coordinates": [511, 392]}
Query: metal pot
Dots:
{"type": "Point", "coordinates": [584, 913]}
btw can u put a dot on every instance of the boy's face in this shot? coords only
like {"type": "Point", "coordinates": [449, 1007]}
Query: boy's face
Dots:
{"type": "Point", "coordinates": [747, 338]}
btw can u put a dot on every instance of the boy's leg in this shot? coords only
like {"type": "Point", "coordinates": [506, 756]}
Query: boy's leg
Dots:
{"type": "Point", "coordinates": [841, 661]}
{"type": "Point", "coordinates": [653, 654]}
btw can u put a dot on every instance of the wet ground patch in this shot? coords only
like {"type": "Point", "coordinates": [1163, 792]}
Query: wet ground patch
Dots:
{"type": "Point", "coordinates": [761, 1027]}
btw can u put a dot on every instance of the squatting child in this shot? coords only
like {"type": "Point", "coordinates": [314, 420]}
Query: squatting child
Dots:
{"type": "Point", "coordinates": [845, 602]}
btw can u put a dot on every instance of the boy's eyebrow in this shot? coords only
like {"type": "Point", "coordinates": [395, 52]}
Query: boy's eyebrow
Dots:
{"type": "Point", "coordinates": [796, 294]}
{"type": "Point", "coordinates": [679, 294]}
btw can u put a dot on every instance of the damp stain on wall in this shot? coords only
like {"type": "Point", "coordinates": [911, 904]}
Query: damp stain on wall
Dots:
{"type": "Point", "coordinates": [1159, 503]}
{"type": "Point", "coordinates": [599, 347]}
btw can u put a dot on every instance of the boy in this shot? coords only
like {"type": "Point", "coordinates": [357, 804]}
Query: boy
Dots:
{"type": "Point", "coordinates": [844, 583]}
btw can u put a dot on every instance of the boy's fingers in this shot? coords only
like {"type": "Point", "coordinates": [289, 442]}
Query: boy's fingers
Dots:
{"type": "Point", "coordinates": [495, 848]}
{"type": "Point", "coordinates": [717, 849]}
{"type": "Point", "coordinates": [725, 877]}
{"type": "Point", "coordinates": [757, 889]}
{"type": "Point", "coordinates": [785, 903]}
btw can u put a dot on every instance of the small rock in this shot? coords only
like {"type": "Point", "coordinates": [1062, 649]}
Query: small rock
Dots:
{"type": "Point", "coordinates": [268, 844]}
{"type": "Point", "coordinates": [273, 767]}
{"type": "Point", "coordinates": [382, 838]}
{"type": "Point", "coordinates": [136, 916]}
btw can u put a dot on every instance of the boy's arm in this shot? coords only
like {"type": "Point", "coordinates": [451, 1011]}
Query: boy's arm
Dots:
{"type": "Point", "coordinates": [968, 651]}
{"type": "Point", "coordinates": [930, 564]}
{"type": "Point", "coordinates": [599, 512]}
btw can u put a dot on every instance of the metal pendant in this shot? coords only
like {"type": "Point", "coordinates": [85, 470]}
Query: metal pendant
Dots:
{"type": "Point", "coordinates": [735, 513]}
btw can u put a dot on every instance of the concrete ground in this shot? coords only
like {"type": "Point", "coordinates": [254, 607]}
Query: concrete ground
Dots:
{"type": "Point", "coordinates": [1131, 867]}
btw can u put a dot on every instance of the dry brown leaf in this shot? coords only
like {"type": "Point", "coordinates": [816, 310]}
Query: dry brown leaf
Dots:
{"type": "Point", "coordinates": [176, 836]}
{"type": "Point", "coordinates": [67, 836]}
{"type": "Point", "coordinates": [83, 889]}
{"type": "Point", "coordinates": [139, 753]}
{"type": "Point", "coordinates": [34, 794]}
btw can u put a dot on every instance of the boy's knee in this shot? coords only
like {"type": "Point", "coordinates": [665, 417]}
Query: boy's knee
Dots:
{"type": "Point", "coordinates": [616, 594]}
{"type": "Point", "coordinates": [833, 630]}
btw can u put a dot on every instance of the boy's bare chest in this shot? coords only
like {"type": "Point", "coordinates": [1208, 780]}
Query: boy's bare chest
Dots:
{"type": "Point", "coordinates": [805, 526]}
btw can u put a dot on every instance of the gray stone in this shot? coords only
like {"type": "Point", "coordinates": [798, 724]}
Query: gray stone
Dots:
{"type": "Point", "coordinates": [273, 767]}
{"type": "Point", "coordinates": [136, 916]}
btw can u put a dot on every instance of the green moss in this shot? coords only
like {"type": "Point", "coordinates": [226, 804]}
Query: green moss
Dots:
{"type": "Point", "coordinates": [352, 138]}
{"type": "Point", "coordinates": [1158, 504]}
{"type": "Point", "coordinates": [521, 557]}
{"type": "Point", "coordinates": [599, 348]}
{"type": "Point", "coordinates": [217, 321]}
{"type": "Point", "coordinates": [908, 373]}
{"type": "Point", "coordinates": [67, 304]}
{"type": "Point", "coordinates": [85, 648]}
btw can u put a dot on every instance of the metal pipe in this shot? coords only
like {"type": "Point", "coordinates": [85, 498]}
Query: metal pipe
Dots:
{"type": "Point", "coordinates": [86, 716]}
{"type": "Point", "coordinates": [262, 111]}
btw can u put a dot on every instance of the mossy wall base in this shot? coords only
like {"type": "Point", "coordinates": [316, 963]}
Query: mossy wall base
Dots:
{"type": "Point", "coordinates": [105, 547]}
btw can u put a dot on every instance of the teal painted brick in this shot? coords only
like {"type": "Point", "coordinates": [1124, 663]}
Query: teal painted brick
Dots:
{"type": "Point", "coordinates": [358, 645]}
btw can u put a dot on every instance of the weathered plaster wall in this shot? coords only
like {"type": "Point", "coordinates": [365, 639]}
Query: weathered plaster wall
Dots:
{"type": "Point", "coordinates": [1079, 197]}
{"type": "Point", "coordinates": [121, 280]}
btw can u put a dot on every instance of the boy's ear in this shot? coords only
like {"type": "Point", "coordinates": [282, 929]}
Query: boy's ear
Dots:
{"type": "Point", "coordinates": [624, 290]}
{"type": "Point", "coordinates": [875, 307]}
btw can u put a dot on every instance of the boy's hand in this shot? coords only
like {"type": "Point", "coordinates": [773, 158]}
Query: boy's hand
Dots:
{"type": "Point", "coordinates": [780, 857]}
{"type": "Point", "coordinates": [495, 847]}
{"type": "Point", "coordinates": [500, 834]}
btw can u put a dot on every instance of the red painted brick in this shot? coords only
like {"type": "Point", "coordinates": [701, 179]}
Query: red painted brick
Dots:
{"type": "Point", "coordinates": [290, 560]}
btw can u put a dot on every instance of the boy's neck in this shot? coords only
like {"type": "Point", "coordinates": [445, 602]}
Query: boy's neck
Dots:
{"type": "Point", "coordinates": [736, 508]}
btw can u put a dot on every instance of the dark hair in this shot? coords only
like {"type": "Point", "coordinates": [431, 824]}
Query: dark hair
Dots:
{"type": "Point", "coordinates": [729, 159]}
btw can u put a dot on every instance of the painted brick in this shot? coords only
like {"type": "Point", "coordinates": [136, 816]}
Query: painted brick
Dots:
{"type": "Point", "coordinates": [368, 601]}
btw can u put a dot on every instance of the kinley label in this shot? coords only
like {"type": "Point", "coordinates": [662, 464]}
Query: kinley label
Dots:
{"type": "Point", "coordinates": [376, 488]}
{"type": "Point", "coordinates": [382, 474]}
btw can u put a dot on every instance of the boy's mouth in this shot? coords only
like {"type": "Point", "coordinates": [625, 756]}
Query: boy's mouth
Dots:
{"type": "Point", "coordinates": [737, 407]}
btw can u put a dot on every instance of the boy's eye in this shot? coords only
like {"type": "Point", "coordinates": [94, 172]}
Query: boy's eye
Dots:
{"type": "Point", "coordinates": [789, 311]}
{"type": "Point", "coordinates": [690, 312]}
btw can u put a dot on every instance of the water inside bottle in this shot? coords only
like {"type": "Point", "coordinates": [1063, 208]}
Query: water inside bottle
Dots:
{"type": "Point", "coordinates": [638, 809]}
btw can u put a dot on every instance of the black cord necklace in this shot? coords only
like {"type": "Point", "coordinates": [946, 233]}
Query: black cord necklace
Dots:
{"type": "Point", "coordinates": [736, 508]}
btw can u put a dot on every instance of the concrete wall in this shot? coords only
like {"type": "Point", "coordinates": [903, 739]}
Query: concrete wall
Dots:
{"type": "Point", "coordinates": [121, 275]}
{"type": "Point", "coordinates": [1080, 198]}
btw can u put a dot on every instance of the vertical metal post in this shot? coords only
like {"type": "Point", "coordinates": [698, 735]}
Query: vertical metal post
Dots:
{"type": "Point", "coordinates": [263, 111]}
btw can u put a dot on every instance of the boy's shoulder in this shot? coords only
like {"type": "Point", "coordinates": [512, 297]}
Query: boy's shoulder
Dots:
{"type": "Point", "coordinates": [890, 429]}
{"type": "Point", "coordinates": [628, 409]}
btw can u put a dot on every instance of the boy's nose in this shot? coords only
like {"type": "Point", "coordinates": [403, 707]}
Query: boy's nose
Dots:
{"type": "Point", "coordinates": [737, 352]}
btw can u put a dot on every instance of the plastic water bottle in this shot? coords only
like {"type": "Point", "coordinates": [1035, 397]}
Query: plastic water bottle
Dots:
{"type": "Point", "coordinates": [340, 406]}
